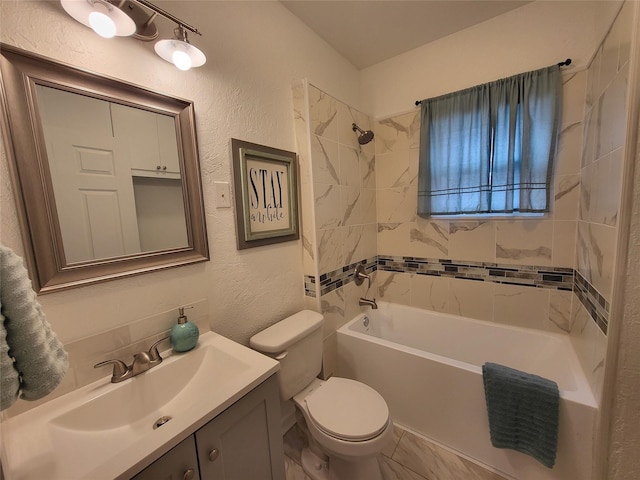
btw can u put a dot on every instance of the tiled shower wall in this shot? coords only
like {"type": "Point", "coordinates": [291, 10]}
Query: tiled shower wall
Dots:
{"type": "Point", "coordinates": [338, 196]}
{"type": "Point", "coordinates": [601, 178]}
{"type": "Point", "coordinates": [513, 271]}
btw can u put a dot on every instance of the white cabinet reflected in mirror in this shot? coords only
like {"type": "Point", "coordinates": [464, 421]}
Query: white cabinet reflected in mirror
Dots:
{"type": "Point", "coordinates": [119, 190]}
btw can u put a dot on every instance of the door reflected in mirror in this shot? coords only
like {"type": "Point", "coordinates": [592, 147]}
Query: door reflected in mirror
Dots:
{"type": "Point", "coordinates": [115, 172]}
{"type": "Point", "coordinates": [106, 173]}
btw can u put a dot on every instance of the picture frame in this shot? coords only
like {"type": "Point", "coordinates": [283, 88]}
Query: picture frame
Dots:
{"type": "Point", "coordinates": [266, 194]}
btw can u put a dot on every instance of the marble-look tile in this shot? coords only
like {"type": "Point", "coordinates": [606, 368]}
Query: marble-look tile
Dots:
{"type": "Point", "coordinates": [301, 124]}
{"type": "Point", "coordinates": [564, 244]}
{"type": "Point", "coordinates": [390, 447]}
{"type": "Point", "coordinates": [623, 30]}
{"type": "Point", "coordinates": [568, 156]}
{"type": "Point", "coordinates": [368, 202]}
{"type": "Point", "coordinates": [559, 311]}
{"type": "Point", "coordinates": [518, 306]}
{"type": "Point", "coordinates": [397, 204]}
{"type": "Point", "coordinates": [394, 238]}
{"type": "Point", "coordinates": [574, 87]}
{"type": "Point", "coordinates": [347, 116]}
{"type": "Point", "coordinates": [368, 247]}
{"type": "Point", "coordinates": [293, 470]}
{"type": "Point", "coordinates": [393, 169]}
{"type": "Point", "coordinates": [368, 175]}
{"type": "Point", "coordinates": [434, 462]}
{"type": "Point", "coordinates": [401, 132]}
{"type": "Point", "coordinates": [526, 242]}
{"type": "Point", "coordinates": [325, 160]}
{"type": "Point", "coordinates": [592, 77]}
{"type": "Point", "coordinates": [394, 287]}
{"type": "Point", "coordinates": [323, 114]}
{"type": "Point", "coordinates": [590, 134]}
{"type": "Point", "coordinates": [350, 206]}
{"type": "Point", "coordinates": [392, 470]}
{"type": "Point", "coordinates": [330, 243]}
{"type": "Point", "coordinates": [294, 441]}
{"type": "Point", "coordinates": [349, 167]}
{"type": "Point", "coordinates": [566, 197]}
{"type": "Point", "coordinates": [328, 206]}
{"type": "Point", "coordinates": [608, 61]}
{"type": "Point", "coordinates": [307, 229]}
{"type": "Point", "coordinates": [353, 293]}
{"type": "Point", "coordinates": [429, 238]}
{"type": "Point", "coordinates": [430, 292]}
{"type": "Point", "coordinates": [612, 126]}
{"type": "Point", "coordinates": [473, 241]}
{"type": "Point", "coordinates": [332, 306]}
{"type": "Point", "coordinates": [352, 246]}
{"type": "Point", "coordinates": [605, 183]}
{"type": "Point", "coordinates": [595, 255]}
{"type": "Point", "coordinates": [473, 299]}
{"type": "Point", "coordinates": [590, 346]}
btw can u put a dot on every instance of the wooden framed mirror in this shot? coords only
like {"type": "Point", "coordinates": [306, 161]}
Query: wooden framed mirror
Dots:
{"type": "Point", "coordinates": [106, 173]}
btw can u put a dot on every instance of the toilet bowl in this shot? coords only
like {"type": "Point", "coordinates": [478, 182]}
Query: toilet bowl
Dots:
{"type": "Point", "coordinates": [350, 423]}
{"type": "Point", "coordinates": [347, 422]}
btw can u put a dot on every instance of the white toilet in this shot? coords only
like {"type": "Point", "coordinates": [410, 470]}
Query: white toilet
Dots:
{"type": "Point", "coordinates": [348, 422]}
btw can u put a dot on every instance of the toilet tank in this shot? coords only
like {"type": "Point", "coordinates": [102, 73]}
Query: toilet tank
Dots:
{"type": "Point", "coordinates": [296, 342]}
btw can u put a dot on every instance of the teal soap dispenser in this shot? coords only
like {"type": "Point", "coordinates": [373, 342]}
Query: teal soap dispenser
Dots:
{"type": "Point", "coordinates": [184, 335]}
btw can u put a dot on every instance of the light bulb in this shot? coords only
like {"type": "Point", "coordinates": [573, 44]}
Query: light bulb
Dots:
{"type": "Point", "coordinates": [101, 22]}
{"type": "Point", "coordinates": [181, 59]}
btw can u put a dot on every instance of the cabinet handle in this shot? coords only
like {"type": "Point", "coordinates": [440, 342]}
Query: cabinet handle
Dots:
{"type": "Point", "coordinates": [158, 167]}
{"type": "Point", "coordinates": [164, 168]}
{"type": "Point", "coordinates": [214, 454]}
{"type": "Point", "coordinates": [189, 474]}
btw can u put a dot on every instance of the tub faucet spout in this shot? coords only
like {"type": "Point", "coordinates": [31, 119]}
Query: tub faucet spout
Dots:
{"type": "Point", "coordinates": [365, 301]}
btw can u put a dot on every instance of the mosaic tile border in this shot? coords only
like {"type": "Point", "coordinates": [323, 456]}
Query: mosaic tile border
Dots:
{"type": "Point", "coordinates": [597, 306]}
{"type": "Point", "coordinates": [556, 278]}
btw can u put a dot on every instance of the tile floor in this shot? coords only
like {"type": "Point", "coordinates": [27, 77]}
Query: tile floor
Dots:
{"type": "Point", "coordinates": [407, 457]}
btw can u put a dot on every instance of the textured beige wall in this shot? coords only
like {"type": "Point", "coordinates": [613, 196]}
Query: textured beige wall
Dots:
{"type": "Point", "coordinates": [255, 50]}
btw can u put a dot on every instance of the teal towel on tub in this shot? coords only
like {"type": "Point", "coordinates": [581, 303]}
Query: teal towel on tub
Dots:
{"type": "Point", "coordinates": [523, 411]}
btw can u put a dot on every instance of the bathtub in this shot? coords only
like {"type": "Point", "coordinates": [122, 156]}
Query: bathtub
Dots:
{"type": "Point", "coordinates": [427, 366]}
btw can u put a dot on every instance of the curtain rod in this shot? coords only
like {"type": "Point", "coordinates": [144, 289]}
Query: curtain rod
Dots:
{"type": "Point", "coordinates": [561, 64]}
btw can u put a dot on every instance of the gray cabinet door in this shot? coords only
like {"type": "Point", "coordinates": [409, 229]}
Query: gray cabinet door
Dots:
{"type": "Point", "coordinates": [180, 463]}
{"type": "Point", "coordinates": [244, 442]}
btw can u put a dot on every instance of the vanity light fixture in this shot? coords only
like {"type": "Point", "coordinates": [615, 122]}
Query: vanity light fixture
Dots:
{"type": "Point", "coordinates": [109, 18]}
{"type": "Point", "coordinates": [179, 51]}
{"type": "Point", "coordinates": [106, 19]}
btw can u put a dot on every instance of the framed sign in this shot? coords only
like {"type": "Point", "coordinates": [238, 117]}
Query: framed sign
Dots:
{"type": "Point", "coordinates": [266, 193]}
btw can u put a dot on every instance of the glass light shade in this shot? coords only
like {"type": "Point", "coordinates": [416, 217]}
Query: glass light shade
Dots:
{"type": "Point", "coordinates": [82, 10]}
{"type": "Point", "coordinates": [101, 23]}
{"type": "Point", "coordinates": [174, 51]}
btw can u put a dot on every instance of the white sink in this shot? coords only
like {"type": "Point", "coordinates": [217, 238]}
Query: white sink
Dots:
{"type": "Point", "coordinates": [106, 430]}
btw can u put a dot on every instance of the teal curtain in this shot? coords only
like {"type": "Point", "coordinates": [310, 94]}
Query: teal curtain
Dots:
{"type": "Point", "coordinates": [490, 148]}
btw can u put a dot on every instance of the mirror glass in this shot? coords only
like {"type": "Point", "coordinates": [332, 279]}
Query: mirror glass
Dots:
{"type": "Point", "coordinates": [115, 173]}
{"type": "Point", "coordinates": [106, 173]}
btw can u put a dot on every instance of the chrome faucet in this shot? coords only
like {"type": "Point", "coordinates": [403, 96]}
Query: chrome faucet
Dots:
{"type": "Point", "coordinates": [142, 362]}
{"type": "Point", "coordinates": [365, 301]}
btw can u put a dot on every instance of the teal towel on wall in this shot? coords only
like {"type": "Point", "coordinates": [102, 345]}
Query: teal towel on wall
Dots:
{"type": "Point", "coordinates": [523, 411]}
{"type": "Point", "coordinates": [32, 360]}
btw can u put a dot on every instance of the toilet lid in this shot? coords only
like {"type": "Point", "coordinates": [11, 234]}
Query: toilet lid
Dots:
{"type": "Point", "coordinates": [348, 409]}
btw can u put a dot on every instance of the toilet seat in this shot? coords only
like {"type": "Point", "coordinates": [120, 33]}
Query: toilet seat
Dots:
{"type": "Point", "coordinates": [347, 409]}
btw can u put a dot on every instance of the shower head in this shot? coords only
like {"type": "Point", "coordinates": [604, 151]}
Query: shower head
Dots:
{"type": "Point", "coordinates": [364, 137]}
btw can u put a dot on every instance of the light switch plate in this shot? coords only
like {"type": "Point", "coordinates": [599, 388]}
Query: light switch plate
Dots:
{"type": "Point", "coordinates": [223, 194]}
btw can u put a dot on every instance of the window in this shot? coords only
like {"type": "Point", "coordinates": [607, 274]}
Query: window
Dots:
{"type": "Point", "coordinates": [490, 148]}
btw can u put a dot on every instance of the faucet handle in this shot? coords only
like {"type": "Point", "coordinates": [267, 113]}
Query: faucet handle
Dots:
{"type": "Point", "coordinates": [120, 369]}
{"type": "Point", "coordinates": [359, 275]}
{"type": "Point", "coordinates": [154, 354]}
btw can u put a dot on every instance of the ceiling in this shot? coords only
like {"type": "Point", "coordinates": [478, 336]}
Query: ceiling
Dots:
{"type": "Point", "coordinates": [367, 32]}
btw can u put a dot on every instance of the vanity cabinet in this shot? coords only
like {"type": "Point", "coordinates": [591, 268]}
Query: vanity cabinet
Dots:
{"type": "Point", "coordinates": [244, 442]}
